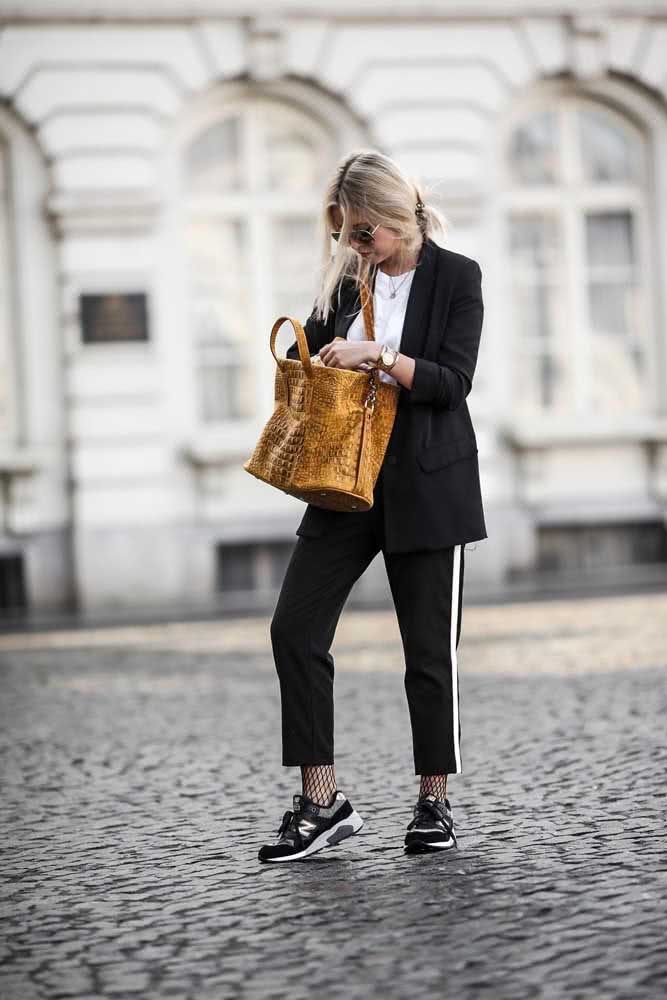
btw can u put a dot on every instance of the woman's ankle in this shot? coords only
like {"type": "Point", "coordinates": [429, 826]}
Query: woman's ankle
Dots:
{"type": "Point", "coordinates": [318, 783]}
{"type": "Point", "coordinates": [434, 784]}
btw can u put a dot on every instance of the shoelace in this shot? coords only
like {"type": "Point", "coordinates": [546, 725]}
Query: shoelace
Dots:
{"type": "Point", "coordinates": [290, 822]}
{"type": "Point", "coordinates": [432, 811]}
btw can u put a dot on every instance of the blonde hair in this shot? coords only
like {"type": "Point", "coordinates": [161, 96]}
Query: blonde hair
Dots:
{"type": "Point", "coordinates": [371, 183]}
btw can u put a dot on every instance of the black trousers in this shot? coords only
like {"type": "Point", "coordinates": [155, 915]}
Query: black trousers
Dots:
{"type": "Point", "coordinates": [427, 590]}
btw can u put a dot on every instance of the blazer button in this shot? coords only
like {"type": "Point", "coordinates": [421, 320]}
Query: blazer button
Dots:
{"type": "Point", "coordinates": [391, 459]}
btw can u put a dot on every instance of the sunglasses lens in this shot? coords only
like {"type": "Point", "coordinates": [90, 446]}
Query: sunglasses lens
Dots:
{"type": "Point", "coordinates": [364, 236]}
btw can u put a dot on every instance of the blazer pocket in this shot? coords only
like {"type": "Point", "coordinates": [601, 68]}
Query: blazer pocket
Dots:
{"type": "Point", "coordinates": [436, 456]}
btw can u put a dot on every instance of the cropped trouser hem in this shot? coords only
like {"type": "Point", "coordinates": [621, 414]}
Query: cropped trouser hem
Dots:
{"type": "Point", "coordinates": [299, 760]}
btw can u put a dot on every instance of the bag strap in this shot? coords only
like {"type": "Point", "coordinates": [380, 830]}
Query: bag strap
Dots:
{"type": "Point", "coordinates": [374, 378]}
{"type": "Point", "coordinates": [302, 343]}
{"type": "Point", "coordinates": [369, 317]}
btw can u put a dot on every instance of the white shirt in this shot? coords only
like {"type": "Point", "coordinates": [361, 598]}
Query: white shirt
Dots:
{"type": "Point", "coordinates": [389, 313]}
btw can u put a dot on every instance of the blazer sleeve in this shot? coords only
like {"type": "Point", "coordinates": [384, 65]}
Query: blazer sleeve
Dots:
{"type": "Point", "coordinates": [446, 382]}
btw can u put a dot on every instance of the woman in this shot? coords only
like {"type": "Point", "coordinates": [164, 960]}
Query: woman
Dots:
{"type": "Point", "coordinates": [427, 500]}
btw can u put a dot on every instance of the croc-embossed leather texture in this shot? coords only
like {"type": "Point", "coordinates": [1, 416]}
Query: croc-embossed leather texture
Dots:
{"type": "Point", "coordinates": [327, 436]}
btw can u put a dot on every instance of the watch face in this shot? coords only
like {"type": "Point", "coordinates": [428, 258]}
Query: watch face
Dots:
{"type": "Point", "coordinates": [386, 356]}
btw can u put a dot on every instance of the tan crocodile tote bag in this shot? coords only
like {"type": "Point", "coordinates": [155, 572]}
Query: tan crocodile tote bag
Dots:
{"type": "Point", "coordinates": [327, 436]}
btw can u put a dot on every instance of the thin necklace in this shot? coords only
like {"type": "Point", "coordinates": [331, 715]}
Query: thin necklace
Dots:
{"type": "Point", "coordinates": [395, 288]}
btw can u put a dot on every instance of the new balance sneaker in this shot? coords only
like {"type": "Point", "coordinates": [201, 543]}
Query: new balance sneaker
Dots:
{"type": "Point", "coordinates": [432, 828]}
{"type": "Point", "coordinates": [309, 827]}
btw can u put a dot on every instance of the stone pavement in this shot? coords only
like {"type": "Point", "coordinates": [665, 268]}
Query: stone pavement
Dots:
{"type": "Point", "coordinates": [140, 773]}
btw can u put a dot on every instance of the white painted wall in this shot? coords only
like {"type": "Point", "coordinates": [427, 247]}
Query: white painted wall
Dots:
{"type": "Point", "coordinates": [100, 113]}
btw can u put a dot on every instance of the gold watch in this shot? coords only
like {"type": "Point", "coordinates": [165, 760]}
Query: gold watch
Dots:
{"type": "Point", "coordinates": [387, 359]}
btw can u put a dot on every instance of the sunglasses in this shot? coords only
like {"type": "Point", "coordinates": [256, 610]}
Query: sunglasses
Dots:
{"type": "Point", "coordinates": [362, 234]}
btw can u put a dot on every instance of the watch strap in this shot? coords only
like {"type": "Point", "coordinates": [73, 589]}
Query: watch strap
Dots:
{"type": "Point", "coordinates": [384, 366]}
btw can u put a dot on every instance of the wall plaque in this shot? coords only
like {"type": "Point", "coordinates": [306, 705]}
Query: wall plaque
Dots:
{"type": "Point", "coordinates": [110, 318]}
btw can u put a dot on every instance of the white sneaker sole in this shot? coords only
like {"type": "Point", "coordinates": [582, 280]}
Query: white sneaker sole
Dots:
{"type": "Point", "coordinates": [343, 829]}
{"type": "Point", "coordinates": [423, 846]}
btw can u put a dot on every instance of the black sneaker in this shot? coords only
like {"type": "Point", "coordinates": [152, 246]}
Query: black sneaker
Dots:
{"type": "Point", "coordinates": [308, 828]}
{"type": "Point", "coordinates": [432, 828]}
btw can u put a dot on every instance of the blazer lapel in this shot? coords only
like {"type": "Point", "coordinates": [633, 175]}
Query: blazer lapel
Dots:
{"type": "Point", "coordinates": [415, 326]}
{"type": "Point", "coordinates": [350, 304]}
{"type": "Point", "coordinates": [416, 310]}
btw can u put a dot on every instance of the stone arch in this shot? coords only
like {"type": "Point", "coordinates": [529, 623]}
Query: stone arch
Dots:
{"type": "Point", "coordinates": [337, 130]}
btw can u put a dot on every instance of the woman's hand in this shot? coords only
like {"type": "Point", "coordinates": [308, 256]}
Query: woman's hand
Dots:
{"type": "Point", "coordinates": [352, 354]}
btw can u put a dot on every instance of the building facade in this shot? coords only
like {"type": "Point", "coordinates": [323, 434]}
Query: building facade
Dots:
{"type": "Point", "coordinates": [161, 174]}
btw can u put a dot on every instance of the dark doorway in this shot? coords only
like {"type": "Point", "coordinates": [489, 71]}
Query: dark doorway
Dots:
{"type": "Point", "coordinates": [12, 584]}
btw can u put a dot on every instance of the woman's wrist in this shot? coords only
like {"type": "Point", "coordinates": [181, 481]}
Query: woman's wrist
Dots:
{"type": "Point", "coordinates": [374, 351]}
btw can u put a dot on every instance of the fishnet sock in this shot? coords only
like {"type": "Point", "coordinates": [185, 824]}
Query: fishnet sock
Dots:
{"type": "Point", "coordinates": [434, 784]}
{"type": "Point", "coordinates": [319, 783]}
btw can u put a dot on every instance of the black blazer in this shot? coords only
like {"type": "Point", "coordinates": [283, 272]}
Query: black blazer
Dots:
{"type": "Point", "coordinates": [432, 488]}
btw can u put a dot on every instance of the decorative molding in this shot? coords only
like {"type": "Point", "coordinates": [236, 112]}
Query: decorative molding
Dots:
{"type": "Point", "coordinates": [588, 44]}
{"type": "Point", "coordinates": [265, 43]}
{"type": "Point", "coordinates": [203, 454]}
{"type": "Point", "coordinates": [21, 462]}
{"type": "Point", "coordinates": [103, 212]}
{"type": "Point", "coordinates": [167, 11]}
{"type": "Point", "coordinates": [550, 434]}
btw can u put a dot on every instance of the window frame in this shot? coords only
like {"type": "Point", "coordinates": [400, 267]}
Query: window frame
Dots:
{"type": "Point", "coordinates": [570, 199]}
{"type": "Point", "coordinates": [258, 207]}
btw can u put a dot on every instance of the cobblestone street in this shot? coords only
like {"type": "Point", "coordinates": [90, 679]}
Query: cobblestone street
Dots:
{"type": "Point", "coordinates": [140, 774]}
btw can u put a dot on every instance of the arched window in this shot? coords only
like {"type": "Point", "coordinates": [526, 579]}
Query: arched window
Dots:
{"type": "Point", "coordinates": [576, 210]}
{"type": "Point", "coordinates": [254, 180]}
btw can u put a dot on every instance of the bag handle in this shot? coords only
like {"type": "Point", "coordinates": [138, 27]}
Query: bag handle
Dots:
{"type": "Point", "coordinates": [302, 343]}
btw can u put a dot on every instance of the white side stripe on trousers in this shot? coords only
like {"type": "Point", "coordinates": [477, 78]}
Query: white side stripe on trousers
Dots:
{"type": "Point", "coordinates": [454, 618]}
